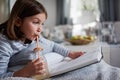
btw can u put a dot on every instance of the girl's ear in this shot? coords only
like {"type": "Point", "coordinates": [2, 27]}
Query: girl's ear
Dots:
{"type": "Point", "coordinates": [18, 22]}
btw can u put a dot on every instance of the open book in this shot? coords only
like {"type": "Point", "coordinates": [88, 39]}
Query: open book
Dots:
{"type": "Point", "coordinates": [68, 64]}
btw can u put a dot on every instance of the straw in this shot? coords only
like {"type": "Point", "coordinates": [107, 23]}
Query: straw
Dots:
{"type": "Point", "coordinates": [38, 46]}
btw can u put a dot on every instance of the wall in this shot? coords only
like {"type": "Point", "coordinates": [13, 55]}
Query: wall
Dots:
{"type": "Point", "coordinates": [117, 31]}
{"type": "Point", "coordinates": [12, 3]}
{"type": "Point", "coordinates": [50, 6]}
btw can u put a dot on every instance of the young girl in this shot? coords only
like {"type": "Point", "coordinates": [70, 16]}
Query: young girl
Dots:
{"type": "Point", "coordinates": [18, 33]}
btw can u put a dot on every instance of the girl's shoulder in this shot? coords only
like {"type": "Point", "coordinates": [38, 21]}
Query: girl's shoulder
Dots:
{"type": "Point", "coordinates": [4, 41]}
{"type": "Point", "coordinates": [3, 38]}
{"type": "Point", "coordinates": [5, 45]}
{"type": "Point", "coordinates": [10, 45]}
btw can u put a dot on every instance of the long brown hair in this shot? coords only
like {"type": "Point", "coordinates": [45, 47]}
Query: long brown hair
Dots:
{"type": "Point", "coordinates": [22, 9]}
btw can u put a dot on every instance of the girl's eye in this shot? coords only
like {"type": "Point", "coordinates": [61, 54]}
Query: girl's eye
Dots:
{"type": "Point", "coordinates": [36, 22]}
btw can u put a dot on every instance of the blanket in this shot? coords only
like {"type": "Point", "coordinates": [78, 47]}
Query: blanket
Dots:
{"type": "Point", "coordinates": [97, 71]}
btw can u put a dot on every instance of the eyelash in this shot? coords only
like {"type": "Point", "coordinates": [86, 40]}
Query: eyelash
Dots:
{"type": "Point", "coordinates": [38, 23]}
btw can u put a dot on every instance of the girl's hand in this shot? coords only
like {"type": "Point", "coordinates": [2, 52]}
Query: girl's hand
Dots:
{"type": "Point", "coordinates": [35, 67]}
{"type": "Point", "coordinates": [74, 55]}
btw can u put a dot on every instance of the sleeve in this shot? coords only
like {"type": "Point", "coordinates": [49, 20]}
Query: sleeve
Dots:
{"type": "Point", "coordinates": [5, 54]}
{"type": "Point", "coordinates": [61, 49]}
{"type": "Point", "coordinates": [55, 47]}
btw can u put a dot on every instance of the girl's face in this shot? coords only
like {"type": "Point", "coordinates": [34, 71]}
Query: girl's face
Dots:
{"type": "Point", "coordinates": [32, 26]}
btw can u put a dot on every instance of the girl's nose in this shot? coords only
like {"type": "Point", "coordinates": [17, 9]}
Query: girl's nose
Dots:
{"type": "Point", "coordinates": [39, 29]}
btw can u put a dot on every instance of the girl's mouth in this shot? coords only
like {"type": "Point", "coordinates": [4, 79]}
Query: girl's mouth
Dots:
{"type": "Point", "coordinates": [36, 34]}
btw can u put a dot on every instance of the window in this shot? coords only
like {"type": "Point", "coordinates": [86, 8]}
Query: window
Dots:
{"type": "Point", "coordinates": [84, 11]}
{"type": "Point", "coordinates": [84, 14]}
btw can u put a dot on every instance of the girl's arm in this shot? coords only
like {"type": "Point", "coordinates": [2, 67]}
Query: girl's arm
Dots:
{"type": "Point", "coordinates": [5, 54]}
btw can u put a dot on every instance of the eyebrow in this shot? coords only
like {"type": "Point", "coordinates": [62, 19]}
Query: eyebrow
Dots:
{"type": "Point", "coordinates": [37, 19]}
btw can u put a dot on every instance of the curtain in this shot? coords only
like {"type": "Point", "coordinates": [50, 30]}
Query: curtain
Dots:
{"type": "Point", "coordinates": [110, 10]}
{"type": "Point", "coordinates": [117, 10]}
{"type": "Point", "coordinates": [107, 10]}
{"type": "Point", "coordinates": [4, 10]}
{"type": "Point", "coordinates": [60, 12]}
{"type": "Point", "coordinates": [63, 12]}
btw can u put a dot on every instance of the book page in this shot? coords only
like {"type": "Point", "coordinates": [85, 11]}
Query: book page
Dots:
{"type": "Point", "coordinates": [68, 64]}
